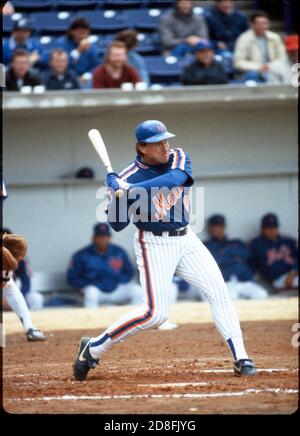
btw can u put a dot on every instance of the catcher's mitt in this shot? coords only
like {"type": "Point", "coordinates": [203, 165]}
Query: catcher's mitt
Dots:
{"type": "Point", "coordinates": [16, 245]}
{"type": "Point", "coordinates": [9, 263]}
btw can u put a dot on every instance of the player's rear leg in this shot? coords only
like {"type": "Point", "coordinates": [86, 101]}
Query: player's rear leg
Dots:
{"type": "Point", "coordinates": [156, 280]}
{"type": "Point", "coordinates": [198, 267]}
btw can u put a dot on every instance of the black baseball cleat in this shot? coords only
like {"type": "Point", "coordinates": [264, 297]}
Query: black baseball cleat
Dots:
{"type": "Point", "coordinates": [84, 360]}
{"type": "Point", "coordinates": [35, 335]}
{"type": "Point", "coordinates": [244, 367]}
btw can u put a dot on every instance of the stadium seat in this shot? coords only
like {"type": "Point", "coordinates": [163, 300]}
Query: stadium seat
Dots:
{"type": "Point", "coordinates": [148, 44]}
{"type": "Point", "coordinates": [33, 5]}
{"type": "Point", "coordinates": [163, 70]}
{"type": "Point", "coordinates": [104, 21]}
{"type": "Point", "coordinates": [74, 5]}
{"type": "Point", "coordinates": [119, 4]}
{"type": "Point", "coordinates": [143, 19]}
{"type": "Point", "coordinates": [160, 3]}
{"type": "Point", "coordinates": [51, 22]}
{"type": "Point", "coordinates": [7, 24]}
{"type": "Point", "coordinates": [47, 42]}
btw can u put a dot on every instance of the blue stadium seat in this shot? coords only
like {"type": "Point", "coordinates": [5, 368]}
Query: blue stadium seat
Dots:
{"type": "Point", "coordinates": [33, 5]}
{"type": "Point", "coordinates": [104, 21]}
{"type": "Point", "coordinates": [9, 21]}
{"type": "Point", "coordinates": [78, 4]}
{"type": "Point", "coordinates": [160, 3]}
{"type": "Point", "coordinates": [8, 24]}
{"type": "Point", "coordinates": [148, 44]}
{"type": "Point", "coordinates": [47, 41]}
{"type": "Point", "coordinates": [102, 42]}
{"type": "Point", "coordinates": [143, 19]}
{"type": "Point", "coordinates": [51, 22]}
{"type": "Point", "coordinates": [119, 4]}
{"type": "Point", "coordinates": [163, 70]}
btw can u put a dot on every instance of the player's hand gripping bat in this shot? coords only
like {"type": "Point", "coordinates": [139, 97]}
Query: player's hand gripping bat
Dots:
{"type": "Point", "coordinates": [98, 143]}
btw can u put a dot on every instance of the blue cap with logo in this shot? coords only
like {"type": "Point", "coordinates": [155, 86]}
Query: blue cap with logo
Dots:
{"type": "Point", "coordinates": [102, 229]}
{"type": "Point", "coordinates": [270, 220]}
{"type": "Point", "coordinates": [152, 131]}
{"type": "Point", "coordinates": [216, 220]}
{"type": "Point", "coordinates": [203, 45]}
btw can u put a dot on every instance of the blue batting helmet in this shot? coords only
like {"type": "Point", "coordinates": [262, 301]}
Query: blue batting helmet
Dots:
{"type": "Point", "coordinates": [152, 131]}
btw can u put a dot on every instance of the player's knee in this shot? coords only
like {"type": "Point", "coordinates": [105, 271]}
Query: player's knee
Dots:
{"type": "Point", "coordinates": [159, 318]}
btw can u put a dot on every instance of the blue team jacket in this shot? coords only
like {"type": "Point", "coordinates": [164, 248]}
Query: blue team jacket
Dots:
{"type": "Point", "coordinates": [87, 61]}
{"type": "Point", "coordinates": [274, 258]}
{"type": "Point", "coordinates": [225, 28]}
{"type": "Point", "coordinates": [233, 258]}
{"type": "Point", "coordinates": [10, 46]}
{"type": "Point", "coordinates": [103, 270]}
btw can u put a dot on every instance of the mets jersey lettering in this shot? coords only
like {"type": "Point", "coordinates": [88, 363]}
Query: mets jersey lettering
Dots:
{"type": "Point", "coordinates": [283, 253]}
{"type": "Point", "coordinates": [163, 204]}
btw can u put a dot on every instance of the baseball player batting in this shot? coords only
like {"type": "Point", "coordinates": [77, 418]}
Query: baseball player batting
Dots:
{"type": "Point", "coordinates": [164, 245]}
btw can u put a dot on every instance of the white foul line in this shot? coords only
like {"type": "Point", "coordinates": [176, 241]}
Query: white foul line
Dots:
{"type": "Point", "coordinates": [159, 396]}
{"type": "Point", "coordinates": [211, 371]}
{"type": "Point", "coordinates": [166, 385]}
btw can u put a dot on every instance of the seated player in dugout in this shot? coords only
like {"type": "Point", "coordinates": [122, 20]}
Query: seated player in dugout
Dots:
{"type": "Point", "coordinates": [233, 257]}
{"type": "Point", "coordinates": [103, 272]}
{"type": "Point", "coordinates": [163, 247]}
{"type": "Point", "coordinates": [276, 257]}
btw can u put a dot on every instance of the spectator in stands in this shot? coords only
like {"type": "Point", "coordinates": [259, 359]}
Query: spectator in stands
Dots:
{"type": "Point", "coordinates": [233, 258]}
{"type": "Point", "coordinates": [205, 70]}
{"type": "Point", "coordinates": [115, 70]}
{"type": "Point", "coordinates": [83, 55]}
{"type": "Point", "coordinates": [181, 29]}
{"type": "Point", "coordinates": [281, 69]}
{"type": "Point", "coordinates": [59, 77]}
{"type": "Point", "coordinates": [276, 256]}
{"type": "Point", "coordinates": [130, 38]}
{"type": "Point", "coordinates": [225, 24]}
{"type": "Point", "coordinates": [8, 9]}
{"type": "Point", "coordinates": [34, 299]}
{"type": "Point", "coordinates": [256, 48]}
{"type": "Point", "coordinates": [19, 73]}
{"type": "Point", "coordinates": [103, 272]}
{"type": "Point", "coordinates": [20, 38]}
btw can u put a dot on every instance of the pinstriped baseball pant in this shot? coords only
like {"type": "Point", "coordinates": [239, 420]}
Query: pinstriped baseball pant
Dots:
{"type": "Point", "coordinates": [158, 259]}
{"type": "Point", "coordinates": [18, 304]}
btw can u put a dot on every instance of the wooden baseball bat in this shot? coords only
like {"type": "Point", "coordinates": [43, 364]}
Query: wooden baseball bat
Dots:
{"type": "Point", "coordinates": [98, 143]}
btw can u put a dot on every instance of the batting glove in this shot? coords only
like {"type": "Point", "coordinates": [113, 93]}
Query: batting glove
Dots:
{"type": "Point", "coordinates": [114, 182]}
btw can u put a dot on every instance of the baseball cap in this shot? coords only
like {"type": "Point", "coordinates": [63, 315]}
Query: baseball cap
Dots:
{"type": "Point", "coordinates": [102, 229]}
{"type": "Point", "coordinates": [291, 42]}
{"type": "Point", "coordinates": [270, 220]}
{"type": "Point", "coordinates": [22, 24]}
{"type": "Point", "coordinates": [216, 220]}
{"type": "Point", "coordinates": [204, 45]}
